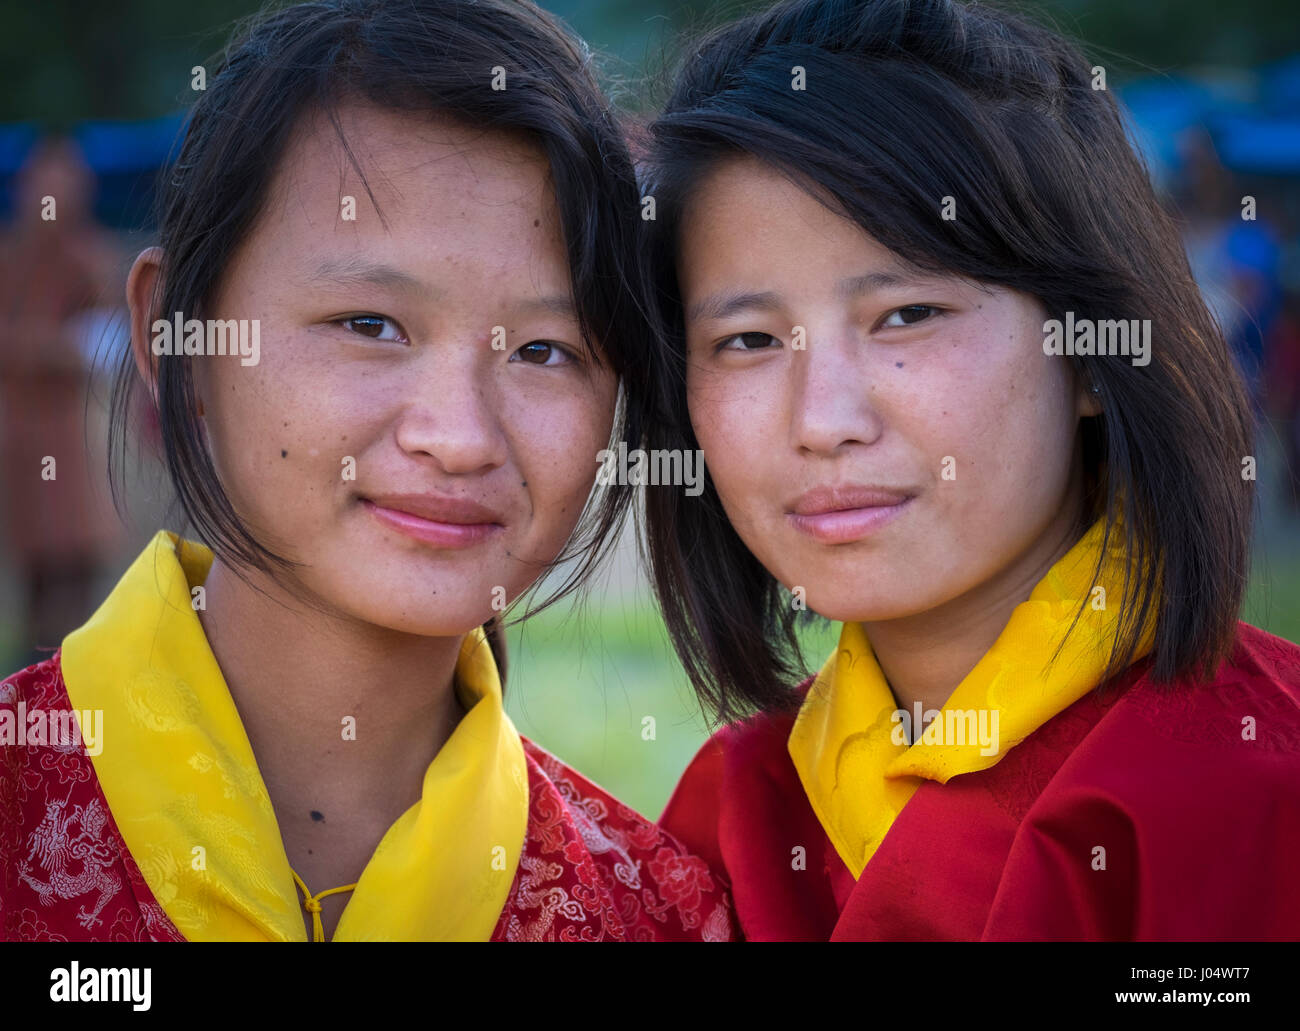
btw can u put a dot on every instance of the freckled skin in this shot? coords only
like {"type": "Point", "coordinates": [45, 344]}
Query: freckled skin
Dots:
{"type": "Point", "coordinates": [471, 216]}
{"type": "Point", "coordinates": [774, 422]}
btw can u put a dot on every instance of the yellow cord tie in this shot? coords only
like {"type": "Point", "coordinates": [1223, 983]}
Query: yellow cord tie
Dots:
{"type": "Point", "coordinates": [311, 903]}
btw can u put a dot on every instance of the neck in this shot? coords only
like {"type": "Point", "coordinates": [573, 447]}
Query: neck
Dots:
{"type": "Point", "coordinates": [296, 674]}
{"type": "Point", "coordinates": [925, 656]}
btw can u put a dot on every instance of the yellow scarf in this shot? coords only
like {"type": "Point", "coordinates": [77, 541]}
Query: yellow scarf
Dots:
{"type": "Point", "coordinates": [848, 745]}
{"type": "Point", "coordinates": [183, 784]}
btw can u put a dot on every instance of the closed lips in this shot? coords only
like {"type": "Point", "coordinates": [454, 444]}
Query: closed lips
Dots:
{"type": "Point", "coordinates": [438, 508]}
{"type": "Point", "coordinates": [843, 515]}
{"type": "Point", "coordinates": [436, 520]}
{"type": "Point", "coordinates": [823, 500]}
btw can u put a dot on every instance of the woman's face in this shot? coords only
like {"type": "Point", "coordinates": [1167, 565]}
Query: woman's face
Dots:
{"type": "Point", "coordinates": [911, 445]}
{"type": "Point", "coordinates": [421, 429]}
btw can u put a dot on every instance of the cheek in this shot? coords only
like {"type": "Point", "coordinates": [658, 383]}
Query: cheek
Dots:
{"type": "Point", "coordinates": [1010, 430]}
{"type": "Point", "coordinates": [275, 431]}
{"type": "Point", "coordinates": [555, 446]}
{"type": "Point", "coordinates": [734, 418]}
{"type": "Point", "coordinates": [1037, 421]}
{"type": "Point", "coordinates": [238, 429]}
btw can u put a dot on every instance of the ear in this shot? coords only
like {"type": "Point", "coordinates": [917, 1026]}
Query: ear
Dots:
{"type": "Point", "coordinates": [143, 288]}
{"type": "Point", "coordinates": [1087, 397]}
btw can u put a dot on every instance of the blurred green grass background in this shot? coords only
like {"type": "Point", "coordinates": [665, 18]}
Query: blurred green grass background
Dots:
{"type": "Point", "coordinates": [583, 678]}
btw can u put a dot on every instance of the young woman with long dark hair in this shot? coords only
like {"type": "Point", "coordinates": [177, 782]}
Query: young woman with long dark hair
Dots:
{"type": "Point", "coordinates": [955, 388]}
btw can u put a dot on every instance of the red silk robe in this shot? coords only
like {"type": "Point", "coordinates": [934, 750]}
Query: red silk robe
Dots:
{"type": "Point", "coordinates": [591, 869]}
{"type": "Point", "coordinates": [1201, 826]}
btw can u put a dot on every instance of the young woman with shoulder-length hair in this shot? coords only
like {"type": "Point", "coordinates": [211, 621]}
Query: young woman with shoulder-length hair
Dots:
{"type": "Point", "coordinates": [397, 284]}
{"type": "Point", "coordinates": [955, 388]}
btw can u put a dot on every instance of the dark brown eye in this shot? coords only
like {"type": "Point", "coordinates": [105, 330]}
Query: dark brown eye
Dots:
{"type": "Point", "coordinates": [909, 315]}
{"type": "Point", "coordinates": [541, 352]}
{"type": "Point", "coordinates": [373, 326]}
{"type": "Point", "coordinates": [749, 342]}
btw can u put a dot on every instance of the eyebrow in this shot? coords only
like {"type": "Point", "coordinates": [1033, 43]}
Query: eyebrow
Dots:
{"type": "Point", "coordinates": [378, 273]}
{"type": "Point", "coordinates": [856, 286]}
{"type": "Point", "coordinates": [723, 305]}
{"type": "Point", "coordinates": [373, 273]}
{"type": "Point", "coordinates": [557, 304]}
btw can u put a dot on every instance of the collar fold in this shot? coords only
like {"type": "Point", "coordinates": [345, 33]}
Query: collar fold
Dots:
{"type": "Point", "coordinates": [183, 784]}
{"type": "Point", "coordinates": [848, 745]}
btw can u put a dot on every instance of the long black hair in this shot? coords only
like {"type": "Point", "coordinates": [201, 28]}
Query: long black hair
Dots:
{"type": "Point", "coordinates": [434, 56]}
{"type": "Point", "coordinates": [906, 103]}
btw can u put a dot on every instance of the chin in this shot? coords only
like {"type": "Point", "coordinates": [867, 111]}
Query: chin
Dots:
{"type": "Point", "coordinates": [439, 620]}
{"type": "Point", "coordinates": [428, 606]}
{"type": "Point", "coordinates": [852, 607]}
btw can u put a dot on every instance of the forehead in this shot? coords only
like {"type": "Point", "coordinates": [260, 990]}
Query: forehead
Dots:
{"type": "Point", "coordinates": [414, 178]}
{"type": "Point", "coordinates": [740, 176]}
{"type": "Point", "coordinates": [744, 213]}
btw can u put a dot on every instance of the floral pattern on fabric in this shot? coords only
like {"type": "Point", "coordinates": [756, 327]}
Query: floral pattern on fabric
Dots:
{"type": "Point", "coordinates": [595, 870]}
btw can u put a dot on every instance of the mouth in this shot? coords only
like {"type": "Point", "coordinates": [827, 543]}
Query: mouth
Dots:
{"type": "Point", "coordinates": [436, 519]}
{"type": "Point", "coordinates": [842, 515]}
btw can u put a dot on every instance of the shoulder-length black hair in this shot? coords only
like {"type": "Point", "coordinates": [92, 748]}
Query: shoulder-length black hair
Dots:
{"type": "Point", "coordinates": [908, 102]}
{"type": "Point", "coordinates": [435, 56]}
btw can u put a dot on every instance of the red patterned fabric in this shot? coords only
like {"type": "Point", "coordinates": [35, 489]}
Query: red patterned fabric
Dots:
{"type": "Point", "coordinates": [594, 870]}
{"type": "Point", "coordinates": [1200, 824]}
{"type": "Point", "coordinates": [591, 869]}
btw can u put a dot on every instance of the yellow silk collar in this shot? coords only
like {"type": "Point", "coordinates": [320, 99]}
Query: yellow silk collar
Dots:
{"type": "Point", "coordinates": [848, 744]}
{"type": "Point", "coordinates": [184, 787]}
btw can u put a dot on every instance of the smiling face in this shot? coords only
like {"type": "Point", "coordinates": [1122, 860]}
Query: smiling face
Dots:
{"type": "Point", "coordinates": [911, 446]}
{"type": "Point", "coordinates": [419, 464]}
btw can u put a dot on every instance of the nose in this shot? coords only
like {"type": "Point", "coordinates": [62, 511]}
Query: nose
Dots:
{"type": "Point", "coordinates": [831, 394]}
{"type": "Point", "coordinates": [451, 410]}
